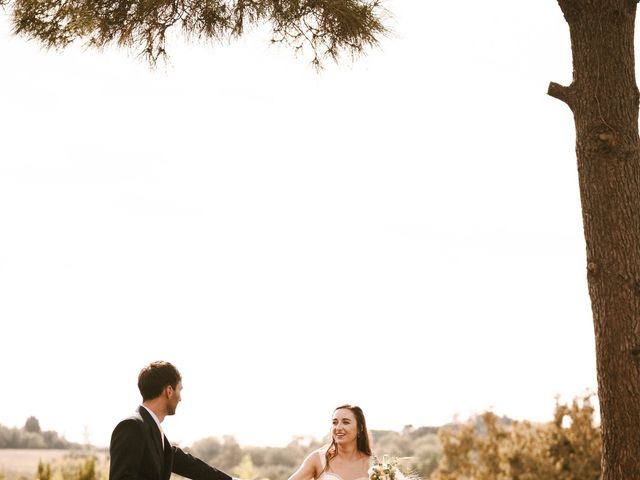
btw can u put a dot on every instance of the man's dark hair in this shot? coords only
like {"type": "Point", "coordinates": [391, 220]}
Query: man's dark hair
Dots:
{"type": "Point", "coordinates": [155, 377]}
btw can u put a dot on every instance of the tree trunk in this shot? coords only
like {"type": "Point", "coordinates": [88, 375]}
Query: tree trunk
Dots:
{"type": "Point", "coordinates": [604, 100]}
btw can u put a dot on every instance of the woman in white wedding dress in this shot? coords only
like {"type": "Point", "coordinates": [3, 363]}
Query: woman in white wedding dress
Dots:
{"type": "Point", "coordinates": [348, 456]}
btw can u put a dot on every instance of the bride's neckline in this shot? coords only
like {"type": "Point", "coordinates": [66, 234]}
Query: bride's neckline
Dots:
{"type": "Point", "coordinates": [338, 476]}
{"type": "Point", "coordinates": [328, 472]}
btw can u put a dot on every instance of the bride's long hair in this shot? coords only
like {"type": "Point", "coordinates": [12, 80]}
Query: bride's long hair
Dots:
{"type": "Point", "coordinates": [362, 440]}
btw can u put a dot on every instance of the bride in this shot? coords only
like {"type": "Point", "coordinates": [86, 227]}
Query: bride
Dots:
{"type": "Point", "coordinates": [348, 456]}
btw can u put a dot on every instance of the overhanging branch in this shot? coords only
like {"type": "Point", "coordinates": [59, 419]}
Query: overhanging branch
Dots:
{"type": "Point", "coordinates": [560, 92]}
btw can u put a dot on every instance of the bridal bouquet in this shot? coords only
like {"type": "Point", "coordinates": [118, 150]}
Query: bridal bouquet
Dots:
{"type": "Point", "coordinates": [385, 470]}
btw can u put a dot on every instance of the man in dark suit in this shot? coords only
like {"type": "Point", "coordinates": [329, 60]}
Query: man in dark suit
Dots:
{"type": "Point", "coordinates": [139, 450]}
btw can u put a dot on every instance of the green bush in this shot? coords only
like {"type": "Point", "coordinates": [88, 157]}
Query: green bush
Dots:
{"type": "Point", "coordinates": [44, 471]}
{"type": "Point", "coordinates": [71, 468]}
{"type": "Point", "coordinates": [490, 448]}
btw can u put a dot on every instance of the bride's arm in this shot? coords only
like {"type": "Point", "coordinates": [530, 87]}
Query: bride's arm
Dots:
{"type": "Point", "coordinates": [309, 469]}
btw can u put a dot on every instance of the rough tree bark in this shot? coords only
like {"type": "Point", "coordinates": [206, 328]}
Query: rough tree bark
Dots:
{"type": "Point", "coordinates": [604, 100]}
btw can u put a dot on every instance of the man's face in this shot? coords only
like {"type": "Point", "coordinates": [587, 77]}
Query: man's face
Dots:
{"type": "Point", "coordinates": [173, 398]}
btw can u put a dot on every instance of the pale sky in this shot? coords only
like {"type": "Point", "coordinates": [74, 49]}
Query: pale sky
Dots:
{"type": "Point", "coordinates": [402, 232]}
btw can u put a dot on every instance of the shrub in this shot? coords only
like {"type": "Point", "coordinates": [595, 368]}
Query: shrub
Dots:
{"type": "Point", "coordinates": [488, 448]}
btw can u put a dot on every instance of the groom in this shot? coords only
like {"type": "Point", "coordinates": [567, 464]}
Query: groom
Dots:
{"type": "Point", "coordinates": [139, 450]}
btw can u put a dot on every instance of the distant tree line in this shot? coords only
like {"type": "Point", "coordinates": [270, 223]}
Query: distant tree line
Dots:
{"type": "Point", "coordinates": [278, 463]}
{"type": "Point", "coordinates": [31, 436]}
{"type": "Point", "coordinates": [248, 463]}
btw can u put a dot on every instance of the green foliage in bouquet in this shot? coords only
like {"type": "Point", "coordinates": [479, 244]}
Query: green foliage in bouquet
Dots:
{"type": "Point", "coordinates": [387, 469]}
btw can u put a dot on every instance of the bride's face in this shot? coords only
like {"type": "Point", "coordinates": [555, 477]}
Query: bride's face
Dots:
{"type": "Point", "coordinates": [345, 426]}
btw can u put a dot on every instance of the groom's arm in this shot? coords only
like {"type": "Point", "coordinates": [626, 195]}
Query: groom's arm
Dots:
{"type": "Point", "coordinates": [187, 465]}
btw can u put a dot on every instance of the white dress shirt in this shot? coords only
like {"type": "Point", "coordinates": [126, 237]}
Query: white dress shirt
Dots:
{"type": "Point", "coordinates": [153, 415]}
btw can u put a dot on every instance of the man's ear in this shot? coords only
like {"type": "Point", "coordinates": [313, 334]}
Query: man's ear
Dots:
{"type": "Point", "coordinates": [168, 391]}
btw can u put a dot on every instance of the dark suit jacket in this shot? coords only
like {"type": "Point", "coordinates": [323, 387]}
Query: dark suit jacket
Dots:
{"type": "Point", "coordinates": [137, 454]}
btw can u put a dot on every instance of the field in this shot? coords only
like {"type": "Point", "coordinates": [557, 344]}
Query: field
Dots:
{"type": "Point", "coordinates": [23, 463]}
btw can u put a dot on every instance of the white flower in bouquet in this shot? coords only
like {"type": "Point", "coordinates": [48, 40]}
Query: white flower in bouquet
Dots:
{"type": "Point", "coordinates": [387, 469]}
